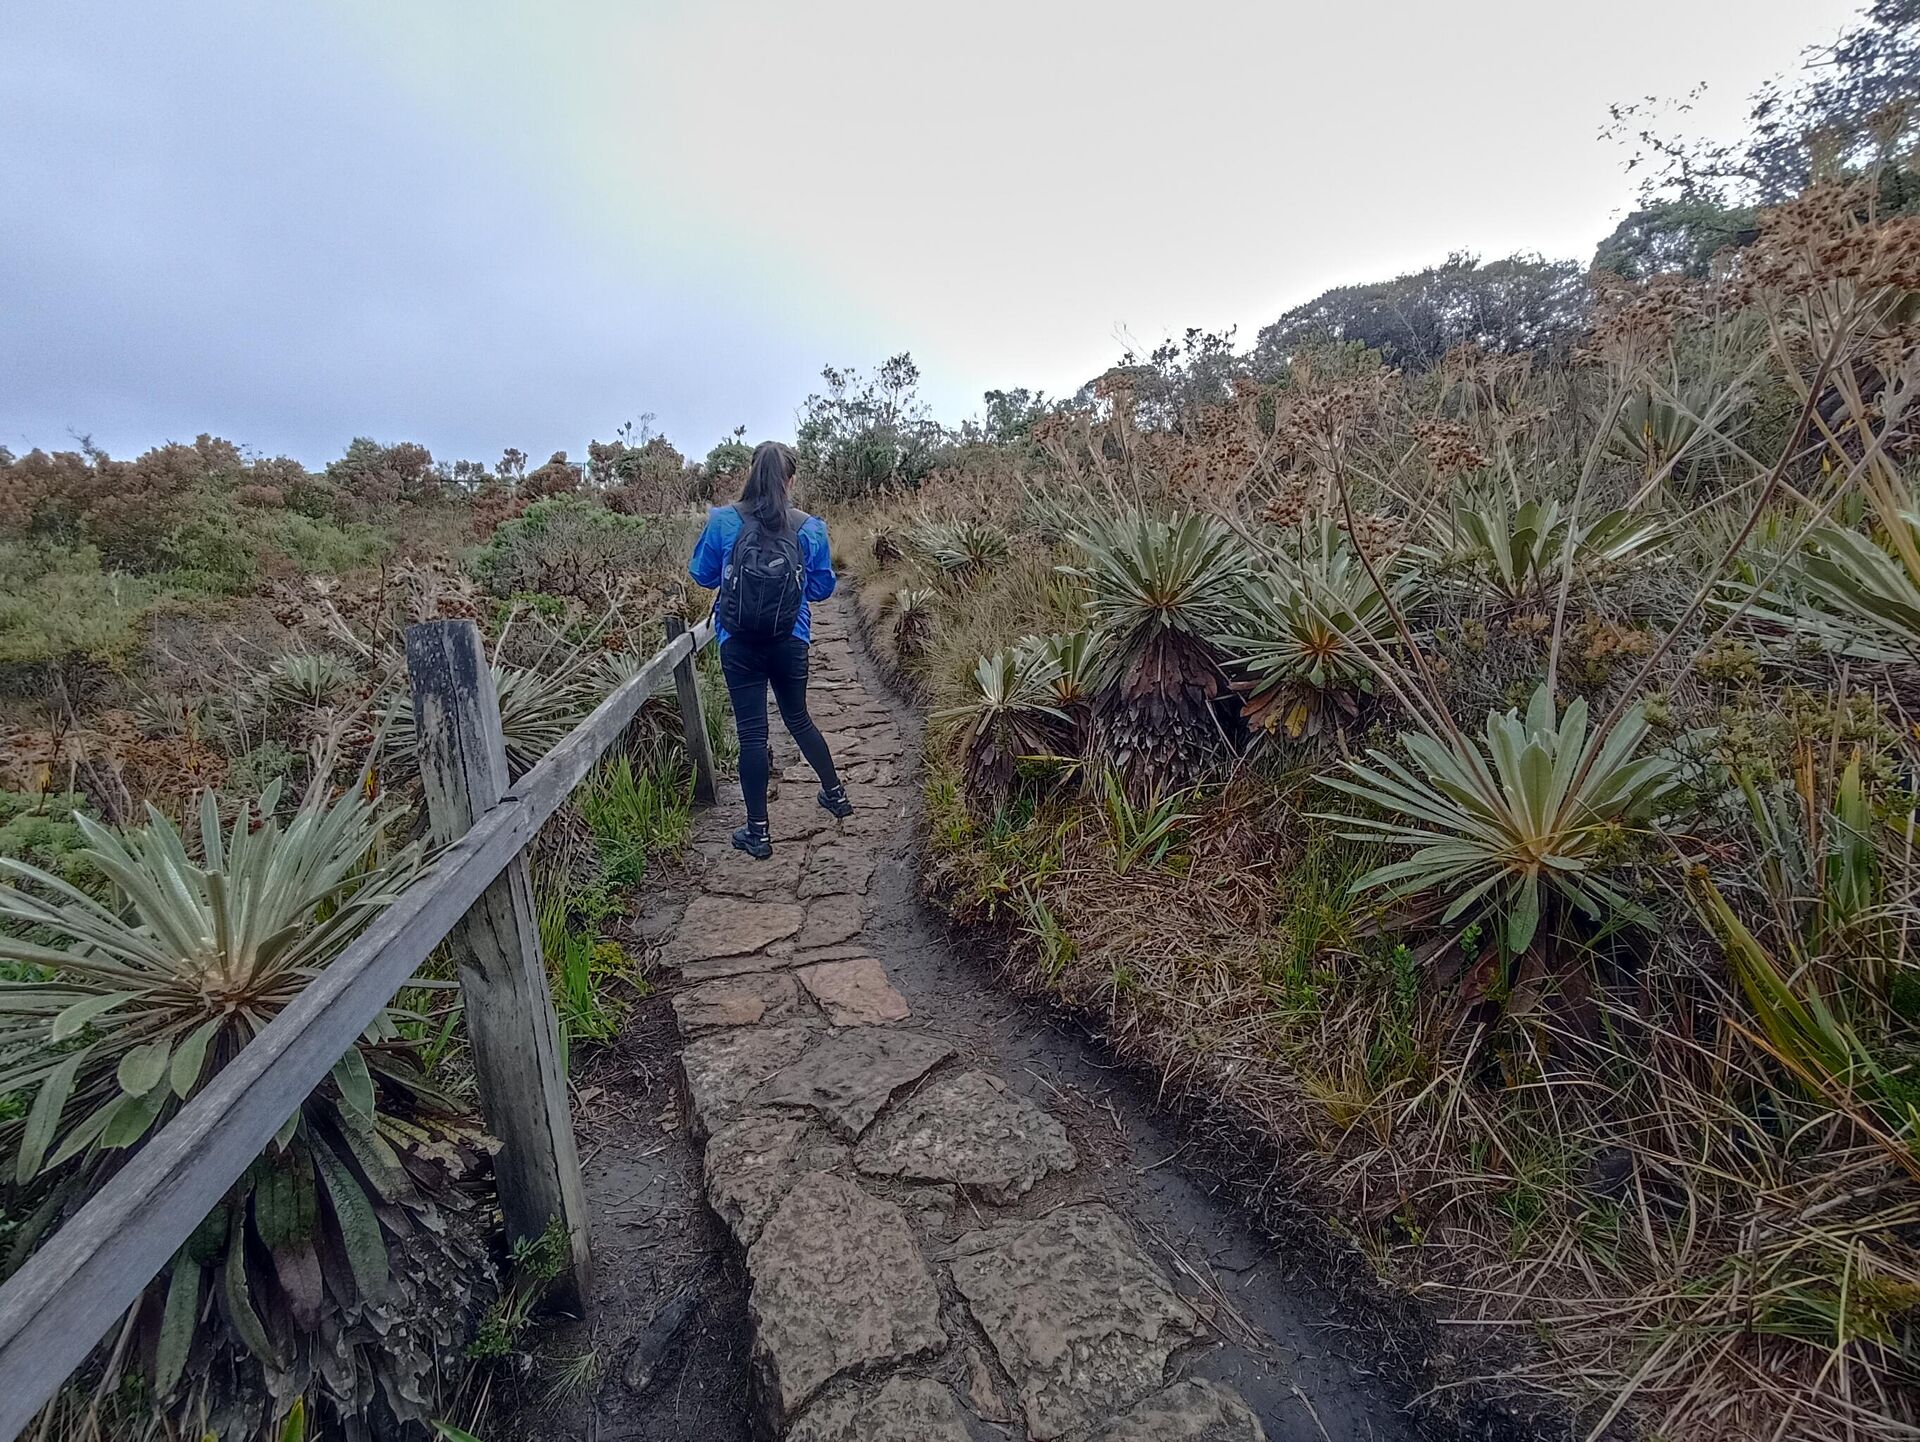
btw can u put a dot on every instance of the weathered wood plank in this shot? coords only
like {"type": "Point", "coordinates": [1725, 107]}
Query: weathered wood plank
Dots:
{"type": "Point", "coordinates": [80, 1283]}
{"type": "Point", "coordinates": [693, 719]}
{"type": "Point", "coordinates": [509, 1006]}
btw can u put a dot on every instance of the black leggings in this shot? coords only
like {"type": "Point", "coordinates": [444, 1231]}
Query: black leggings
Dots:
{"type": "Point", "coordinates": [750, 667]}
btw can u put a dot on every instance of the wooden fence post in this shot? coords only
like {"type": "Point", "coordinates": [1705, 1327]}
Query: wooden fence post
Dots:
{"type": "Point", "coordinates": [693, 718]}
{"type": "Point", "coordinates": [509, 1007]}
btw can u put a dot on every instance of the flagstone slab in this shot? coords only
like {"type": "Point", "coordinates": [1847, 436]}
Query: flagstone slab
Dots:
{"type": "Point", "coordinates": [1080, 1320]}
{"type": "Point", "coordinates": [879, 745]}
{"type": "Point", "coordinates": [849, 1077]}
{"type": "Point", "coordinates": [797, 816]}
{"type": "Point", "coordinates": [854, 992]}
{"type": "Point", "coordinates": [972, 1130]}
{"type": "Point", "coordinates": [722, 1068]}
{"type": "Point", "coordinates": [777, 957]}
{"type": "Point", "coordinates": [1191, 1411]}
{"type": "Point", "coordinates": [731, 872]}
{"type": "Point", "coordinates": [872, 774]}
{"type": "Point", "coordinates": [840, 951]}
{"type": "Point", "coordinates": [838, 1285]}
{"type": "Point", "coordinates": [833, 867]}
{"type": "Point", "coordinates": [831, 920]}
{"type": "Point", "coordinates": [873, 823]}
{"type": "Point", "coordinates": [745, 1000]}
{"type": "Point", "coordinates": [752, 1163]}
{"type": "Point", "coordinates": [716, 926]}
{"type": "Point", "coordinates": [903, 1409]}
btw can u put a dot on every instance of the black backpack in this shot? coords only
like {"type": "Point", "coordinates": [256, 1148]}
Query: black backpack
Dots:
{"type": "Point", "coordinates": [765, 581]}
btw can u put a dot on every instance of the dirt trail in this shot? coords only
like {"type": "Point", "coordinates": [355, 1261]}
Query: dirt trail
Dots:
{"type": "Point", "coordinates": [926, 1209]}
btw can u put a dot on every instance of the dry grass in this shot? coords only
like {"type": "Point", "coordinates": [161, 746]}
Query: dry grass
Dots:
{"type": "Point", "coordinates": [1647, 1221]}
{"type": "Point", "coordinates": [1610, 1165]}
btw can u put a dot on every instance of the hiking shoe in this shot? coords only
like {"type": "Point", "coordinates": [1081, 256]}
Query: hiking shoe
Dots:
{"type": "Point", "coordinates": [835, 800]}
{"type": "Point", "coordinates": [756, 841]}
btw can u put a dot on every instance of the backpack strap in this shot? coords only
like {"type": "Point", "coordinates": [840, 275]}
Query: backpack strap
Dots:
{"type": "Point", "coordinates": [749, 527]}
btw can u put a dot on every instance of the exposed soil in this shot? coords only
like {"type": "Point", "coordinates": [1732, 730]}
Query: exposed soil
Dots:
{"type": "Point", "coordinates": [655, 1243]}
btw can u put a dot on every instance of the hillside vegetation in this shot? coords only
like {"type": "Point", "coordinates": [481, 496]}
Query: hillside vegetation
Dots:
{"type": "Point", "coordinates": [209, 789]}
{"type": "Point", "coordinates": [1495, 780]}
{"type": "Point", "coordinates": [1468, 734]}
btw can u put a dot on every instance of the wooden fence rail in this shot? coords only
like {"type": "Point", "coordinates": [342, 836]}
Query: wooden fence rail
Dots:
{"type": "Point", "coordinates": [58, 1306]}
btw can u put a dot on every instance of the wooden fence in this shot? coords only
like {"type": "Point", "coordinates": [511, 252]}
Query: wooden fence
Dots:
{"type": "Point", "coordinates": [59, 1305]}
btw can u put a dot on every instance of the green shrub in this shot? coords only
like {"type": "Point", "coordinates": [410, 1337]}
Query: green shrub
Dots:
{"type": "Point", "coordinates": [319, 547]}
{"type": "Point", "coordinates": [40, 830]}
{"type": "Point", "coordinates": [569, 545]}
{"type": "Point", "coordinates": [59, 608]}
{"type": "Point", "coordinates": [867, 433]}
{"type": "Point", "coordinates": [210, 550]}
{"type": "Point", "coordinates": [635, 812]}
{"type": "Point", "coordinates": [729, 456]}
{"type": "Point", "coordinates": [140, 1005]}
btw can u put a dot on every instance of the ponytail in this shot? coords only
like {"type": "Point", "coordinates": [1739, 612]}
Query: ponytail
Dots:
{"type": "Point", "coordinates": [765, 495]}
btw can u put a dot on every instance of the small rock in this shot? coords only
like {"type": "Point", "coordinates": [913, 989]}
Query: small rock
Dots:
{"type": "Point", "coordinates": [721, 1069]}
{"type": "Point", "coordinates": [851, 1075]}
{"type": "Point", "coordinates": [983, 1391]}
{"type": "Point", "coordinates": [729, 926]}
{"type": "Point", "coordinates": [838, 1284]}
{"type": "Point", "coordinates": [831, 920]}
{"type": "Point", "coordinates": [854, 993]}
{"type": "Point", "coordinates": [739, 1001]}
{"type": "Point", "coordinates": [906, 1409]}
{"type": "Point", "coordinates": [751, 1164]}
{"type": "Point", "coordinates": [1080, 1320]}
{"type": "Point", "coordinates": [972, 1130]}
{"type": "Point", "coordinates": [835, 867]}
{"type": "Point", "coordinates": [932, 1201]}
{"type": "Point", "coordinates": [656, 1339]}
{"type": "Point", "coordinates": [1192, 1411]}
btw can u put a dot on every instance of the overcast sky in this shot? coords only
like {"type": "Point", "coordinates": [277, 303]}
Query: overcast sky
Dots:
{"type": "Point", "coordinates": [483, 223]}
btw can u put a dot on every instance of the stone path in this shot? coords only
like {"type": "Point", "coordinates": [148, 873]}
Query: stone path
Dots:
{"type": "Point", "coordinates": [924, 1265]}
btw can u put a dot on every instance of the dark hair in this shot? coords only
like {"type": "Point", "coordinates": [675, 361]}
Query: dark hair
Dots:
{"type": "Point", "coordinates": [765, 495]}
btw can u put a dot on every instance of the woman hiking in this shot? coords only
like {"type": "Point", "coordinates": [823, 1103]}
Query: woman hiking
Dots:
{"type": "Point", "coordinates": [767, 561]}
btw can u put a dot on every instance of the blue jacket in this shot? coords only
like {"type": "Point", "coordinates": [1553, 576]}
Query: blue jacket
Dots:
{"type": "Point", "coordinates": [715, 548]}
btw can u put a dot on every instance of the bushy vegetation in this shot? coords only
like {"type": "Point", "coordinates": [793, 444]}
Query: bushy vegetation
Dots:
{"type": "Point", "coordinates": [1469, 730]}
{"type": "Point", "coordinates": [59, 609]}
{"type": "Point", "coordinates": [573, 546]}
{"type": "Point", "coordinates": [123, 1014]}
{"type": "Point", "coordinates": [190, 644]}
{"type": "Point", "coordinates": [1493, 773]}
{"type": "Point", "coordinates": [863, 434]}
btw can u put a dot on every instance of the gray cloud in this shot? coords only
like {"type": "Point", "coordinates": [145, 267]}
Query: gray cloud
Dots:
{"type": "Point", "coordinates": [222, 226]}
{"type": "Point", "coordinates": [480, 223]}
